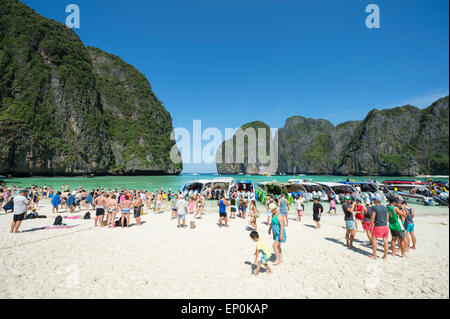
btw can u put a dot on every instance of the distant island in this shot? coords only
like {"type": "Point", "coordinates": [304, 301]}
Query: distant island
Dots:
{"type": "Point", "coordinates": [402, 141]}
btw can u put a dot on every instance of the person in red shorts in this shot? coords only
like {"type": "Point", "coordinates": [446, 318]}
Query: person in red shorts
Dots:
{"type": "Point", "coordinates": [368, 229]}
{"type": "Point", "coordinates": [360, 210]}
{"type": "Point", "coordinates": [379, 221]}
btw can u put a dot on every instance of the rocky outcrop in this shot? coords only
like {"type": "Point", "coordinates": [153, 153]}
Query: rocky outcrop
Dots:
{"type": "Point", "coordinates": [400, 141]}
{"type": "Point", "coordinates": [253, 144]}
{"type": "Point", "coordinates": [137, 125]}
{"type": "Point", "coordinates": [56, 114]}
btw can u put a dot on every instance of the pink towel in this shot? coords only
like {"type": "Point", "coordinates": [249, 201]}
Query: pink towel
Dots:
{"type": "Point", "coordinates": [73, 217]}
{"type": "Point", "coordinates": [59, 226]}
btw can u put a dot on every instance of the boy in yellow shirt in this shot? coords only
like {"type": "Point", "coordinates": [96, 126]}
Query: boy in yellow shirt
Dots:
{"type": "Point", "coordinates": [260, 248]}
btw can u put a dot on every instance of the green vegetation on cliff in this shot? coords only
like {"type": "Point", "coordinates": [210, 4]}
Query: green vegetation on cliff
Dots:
{"type": "Point", "coordinates": [64, 107]}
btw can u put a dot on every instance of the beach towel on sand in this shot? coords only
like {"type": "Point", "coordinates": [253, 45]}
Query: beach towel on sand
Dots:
{"type": "Point", "coordinates": [73, 217]}
{"type": "Point", "coordinates": [59, 226]}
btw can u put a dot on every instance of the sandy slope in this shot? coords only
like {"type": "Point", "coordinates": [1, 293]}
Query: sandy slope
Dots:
{"type": "Point", "coordinates": [157, 260]}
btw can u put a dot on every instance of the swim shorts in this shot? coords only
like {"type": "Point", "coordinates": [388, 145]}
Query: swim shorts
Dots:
{"type": "Point", "coordinates": [366, 226]}
{"type": "Point", "coordinates": [316, 217]}
{"type": "Point", "coordinates": [284, 213]}
{"type": "Point", "coordinates": [181, 217]}
{"type": "Point", "coordinates": [137, 212]}
{"type": "Point", "coordinates": [299, 212]}
{"type": "Point", "coordinates": [158, 204]}
{"type": "Point", "coordinates": [18, 217]}
{"type": "Point", "coordinates": [233, 209]}
{"type": "Point", "coordinates": [350, 224]}
{"type": "Point", "coordinates": [380, 231]}
{"type": "Point", "coordinates": [398, 233]}
{"type": "Point", "coordinates": [410, 228]}
{"type": "Point", "coordinates": [222, 215]}
{"type": "Point", "coordinates": [99, 211]}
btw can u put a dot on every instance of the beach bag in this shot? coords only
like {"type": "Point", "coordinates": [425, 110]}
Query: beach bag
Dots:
{"type": "Point", "coordinates": [118, 222]}
{"type": "Point", "coordinates": [192, 224]}
{"type": "Point", "coordinates": [87, 216]}
{"type": "Point", "coordinates": [9, 206]}
{"type": "Point", "coordinates": [58, 220]}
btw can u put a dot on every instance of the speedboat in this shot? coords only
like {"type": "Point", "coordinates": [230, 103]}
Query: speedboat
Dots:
{"type": "Point", "coordinates": [196, 187]}
{"type": "Point", "coordinates": [338, 191]}
{"type": "Point", "coordinates": [314, 190]}
{"type": "Point", "coordinates": [410, 193]}
{"type": "Point", "coordinates": [295, 188]}
{"type": "Point", "coordinates": [265, 189]}
{"type": "Point", "coordinates": [244, 188]}
{"type": "Point", "coordinates": [222, 186]}
{"type": "Point", "coordinates": [367, 190]}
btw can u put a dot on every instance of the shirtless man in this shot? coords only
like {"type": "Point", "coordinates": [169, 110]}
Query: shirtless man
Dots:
{"type": "Point", "coordinates": [137, 208]}
{"type": "Point", "coordinates": [100, 204]}
{"type": "Point", "coordinates": [112, 207]}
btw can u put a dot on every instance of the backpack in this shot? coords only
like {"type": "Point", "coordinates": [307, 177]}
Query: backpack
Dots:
{"type": "Point", "coordinates": [192, 224]}
{"type": "Point", "coordinates": [87, 216]}
{"type": "Point", "coordinates": [118, 222]}
{"type": "Point", "coordinates": [58, 220]}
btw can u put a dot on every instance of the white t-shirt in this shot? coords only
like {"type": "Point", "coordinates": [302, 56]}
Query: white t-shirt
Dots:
{"type": "Point", "coordinates": [181, 205]}
{"type": "Point", "coordinates": [20, 204]}
{"type": "Point", "coordinates": [298, 204]}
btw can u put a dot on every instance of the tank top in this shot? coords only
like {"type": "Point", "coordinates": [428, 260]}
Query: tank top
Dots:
{"type": "Point", "coordinates": [409, 218]}
{"type": "Point", "coordinates": [275, 220]}
{"type": "Point", "coordinates": [222, 207]}
{"type": "Point", "coordinates": [283, 205]}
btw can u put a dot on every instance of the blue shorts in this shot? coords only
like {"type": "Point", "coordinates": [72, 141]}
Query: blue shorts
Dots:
{"type": "Point", "coordinates": [410, 228]}
{"type": "Point", "coordinates": [263, 259]}
{"type": "Point", "coordinates": [350, 224]}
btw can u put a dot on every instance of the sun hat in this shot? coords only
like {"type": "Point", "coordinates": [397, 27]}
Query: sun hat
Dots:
{"type": "Point", "coordinates": [272, 206]}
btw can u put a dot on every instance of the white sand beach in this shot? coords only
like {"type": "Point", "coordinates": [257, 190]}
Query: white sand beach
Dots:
{"type": "Point", "coordinates": [158, 260]}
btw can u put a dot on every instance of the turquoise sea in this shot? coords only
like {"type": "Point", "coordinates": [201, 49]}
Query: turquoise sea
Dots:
{"type": "Point", "coordinates": [175, 182]}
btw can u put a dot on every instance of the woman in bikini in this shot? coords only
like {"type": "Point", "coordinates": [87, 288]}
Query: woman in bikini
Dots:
{"type": "Point", "coordinates": [253, 214]}
{"type": "Point", "coordinates": [111, 207]}
{"type": "Point", "coordinates": [125, 207]}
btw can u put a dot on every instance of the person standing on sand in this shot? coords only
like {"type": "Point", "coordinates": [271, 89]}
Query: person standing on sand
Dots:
{"type": "Point", "coordinates": [332, 206]}
{"type": "Point", "coordinates": [21, 205]}
{"type": "Point", "coordinates": [56, 201]}
{"type": "Point", "coordinates": [396, 213]}
{"type": "Point", "coordinates": [137, 209]}
{"type": "Point", "coordinates": [409, 225]}
{"type": "Point", "coordinates": [233, 206]}
{"type": "Point", "coordinates": [269, 213]}
{"type": "Point", "coordinates": [253, 210]}
{"type": "Point", "coordinates": [125, 208]}
{"type": "Point", "coordinates": [100, 204]}
{"type": "Point", "coordinates": [284, 208]}
{"type": "Point", "coordinates": [174, 206]}
{"type": "Point", "coordinates": [317, 212]}
{"type": "Point", "coordinates": [350, 231]}
{"type": "Point", "coordinates": [366, 223]}
{"type": "Point", "coordinates": [378, 222]}
{"type": "Point", "coordinates": [242, 206]}
{"type": "Point", "coordinates": [223, 203]}
{"type": "Point", "coordinates": [112, 208]}
{"type": "Point", "coordinates": [299, 208]}
{"type": "Point", "coordinates": [158, 203]}
{"type": "Point", "coordinates": [279, 233]}
{"type": "Point", "coordinates": [181, 211]}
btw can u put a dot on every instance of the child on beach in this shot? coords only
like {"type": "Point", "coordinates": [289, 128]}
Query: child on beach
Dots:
{"type": "Point", "coordinates": [332, 206]}
{"type": "Point", "coordinates": [191, 205]}
{"type": "Point", "coordinates": [260, 248]}
{"type": "Point", "coordinates": [254, 214]}
{"type": "Point", "coordinates": [298, 206]}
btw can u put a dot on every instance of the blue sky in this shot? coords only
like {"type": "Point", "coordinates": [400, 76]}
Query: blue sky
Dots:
{"type": "Point", "coordinates": [235, 61]}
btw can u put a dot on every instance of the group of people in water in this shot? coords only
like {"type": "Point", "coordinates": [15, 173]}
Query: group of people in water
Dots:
{"type": "Point", "coordinates": [114, 207]}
